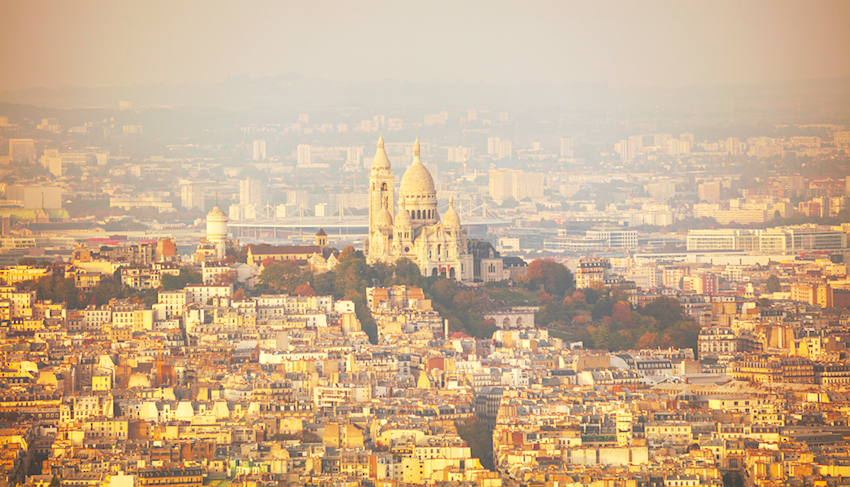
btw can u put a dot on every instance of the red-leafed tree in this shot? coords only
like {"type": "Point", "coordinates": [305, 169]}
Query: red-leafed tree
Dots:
{"type": "Point", "coordinates": [304, 290]}
{"type": "Point", "coordinates": [622, 313]}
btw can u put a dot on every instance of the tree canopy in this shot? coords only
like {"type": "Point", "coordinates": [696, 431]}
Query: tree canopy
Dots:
{"type": "Point", "coordinates": [773, 284]}
{"type": "Point", "coordinates": [186, 276]}
{"type": "Point", "coordinates": [550, 276]}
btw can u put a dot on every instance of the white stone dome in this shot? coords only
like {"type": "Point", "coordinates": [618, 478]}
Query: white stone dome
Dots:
{"type": "Point", "coordinates": [381, 161]}
{"type": "Point", "coordinates": [384, 219]}
{"type": "Point", "coordinates": [417, 179]}
{"type": "Point", "coordinates": [402, 219]}
{"type": "Point", "coordinates": [451, 218]}
{"type": "Point", "coordinates": [216, 215]}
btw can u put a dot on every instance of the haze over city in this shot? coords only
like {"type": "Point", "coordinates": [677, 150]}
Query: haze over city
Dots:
{"type": "Point", "coordinates": [475, 244]}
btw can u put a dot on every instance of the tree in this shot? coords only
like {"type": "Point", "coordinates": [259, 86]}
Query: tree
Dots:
{"type": "Point", "coordinates": [304, 290]}
{"type": "Point", "coordinates": [468, 301]}
{"type": "Point", "coordinates": [601, 337]}
{"type": "Point", "coordinates": [666, 310]}
{"type": "Point", "coordinates": [444, 290]}
{"type": "Point", "coordinates": [227, 277]}
{"type": "Point", "coordinates": [186, 276]}
{"type": "Point", "coordinates": [622, 313]}
{"type": "Point", "coordinates": [651, 340]}
{"type": "Point", "coordinates": [510, 202]}
{"type": "Point", "coordinates": [773, 284]}
{"type": "Point", "coordinates": [552, 276]}
{"type": "Point", "coordinates": [406, 273]}
{"type": "Point", "coordinates": [281, 277]}
{"type": "Point", "coordinates": [602, 308]}
{"type": "Point", "coordinates": [479, 438]}
{"type": "Point", "coordinates": [647, 341]}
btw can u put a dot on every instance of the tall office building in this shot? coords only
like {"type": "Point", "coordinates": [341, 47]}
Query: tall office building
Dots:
{"type": "Point", "coordinates": [21, 150]}
{"type": "Point", "coordinates": [251, 193]}
{"type": "Point", "coordinates": [192, 196]}
{"type": "Point", "coordinates": [566, 147]}
{"type": "Point", "coordinates": [259, 150]}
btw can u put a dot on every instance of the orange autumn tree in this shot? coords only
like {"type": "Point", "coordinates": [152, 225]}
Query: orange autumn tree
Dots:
{"type": "Point", "coordinates": [304, 290]}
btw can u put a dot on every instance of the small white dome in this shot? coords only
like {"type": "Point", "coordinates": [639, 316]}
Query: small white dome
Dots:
{"type": "Point", "coordinates": [402, 219]}
{"type": "Point", "coordinates": [384, 219]}
{"type": "Point", "coordinates": [451, 219]}
{"type": "Point", "coordinates": [216, 214]}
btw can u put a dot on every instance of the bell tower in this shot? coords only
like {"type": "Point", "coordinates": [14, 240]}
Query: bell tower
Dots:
{"type": "Point", "coordinates": [381, 190]}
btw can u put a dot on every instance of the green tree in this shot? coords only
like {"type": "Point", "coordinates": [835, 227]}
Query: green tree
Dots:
{"type": "Point", "coordinates": [602, 308]}
{"type": "Point", "coordinates": [443, 291]}
{"type": "Point", "coordinates": [601, 336]}
{"type": "Point", "coordinates": [323, 283]}
{"type": "Point", "coordinates": [666, 310]}
{"type": "Point", "coordinates": [406, 273]}
{"type": "Point", "coordinates": [479, 438]}
{"type": "Point", "coordinates": [187, 276]}
{"type": "Point", "coordinates": [281, 277]}
{"type": "Point", "coordinates": [773, 284]}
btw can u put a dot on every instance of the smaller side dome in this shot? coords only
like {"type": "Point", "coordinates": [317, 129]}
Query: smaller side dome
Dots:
{"type": "Point", "coordinates": [402, 219]}
{"type": "Point", "coordinates": [451, 218]}
{"type": "Point", "coordinates": [384, 219]}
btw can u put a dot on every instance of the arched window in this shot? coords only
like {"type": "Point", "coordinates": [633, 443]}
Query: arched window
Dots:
{"type": "Point", "coordinates": [439, 250]}
{"type": "Point", "coordinates": [383, 186]}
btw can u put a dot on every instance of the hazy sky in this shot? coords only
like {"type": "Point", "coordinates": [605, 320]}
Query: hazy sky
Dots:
{"type": "Point", "coordinates": [676, 43]}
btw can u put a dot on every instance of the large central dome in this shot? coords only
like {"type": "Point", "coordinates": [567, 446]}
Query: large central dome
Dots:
{"type": "Point", "coordinates": [417, 179]}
